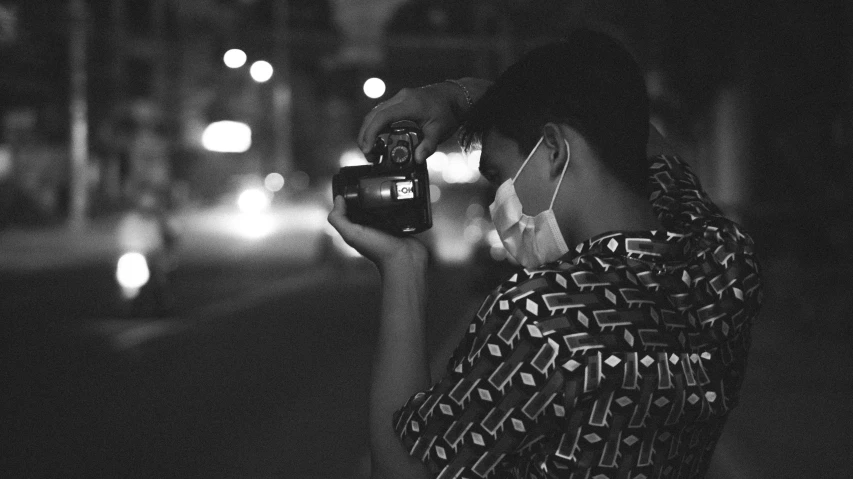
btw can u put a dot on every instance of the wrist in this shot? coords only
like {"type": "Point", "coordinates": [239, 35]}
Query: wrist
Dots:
{"type": "Point", "coordinates": [465, 102]}
{"type": "Point", "coordinates": [455, 97]}
{"type": "Point", "coordinates": [408, 260]}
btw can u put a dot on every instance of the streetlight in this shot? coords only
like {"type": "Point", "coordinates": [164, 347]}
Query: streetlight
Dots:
{"type": "Point", "coordinates": [374, 88]}
{"type": "Point", "coordinates": [234, 58]}
{"type": "Point", "coordinates": [261, 71]}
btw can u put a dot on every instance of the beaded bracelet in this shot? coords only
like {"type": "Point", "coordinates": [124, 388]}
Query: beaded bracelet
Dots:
{"type": "Point", "coordinates": [464, 91]}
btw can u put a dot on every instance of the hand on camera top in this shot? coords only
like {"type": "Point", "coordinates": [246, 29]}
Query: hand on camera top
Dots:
{"type": "Point", "coordinates": [436, 108]}
{"type": "Point", "coordinates": [385, 250]}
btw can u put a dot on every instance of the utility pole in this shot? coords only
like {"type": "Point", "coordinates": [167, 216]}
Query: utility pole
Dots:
{"type": "Point", "coordinates": [79, 115]}
{"type": "Point", "coordinates": [282, 94]}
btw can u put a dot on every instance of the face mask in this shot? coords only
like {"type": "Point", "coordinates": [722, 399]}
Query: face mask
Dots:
{"type": "Point", "coordinates": [531, 240]}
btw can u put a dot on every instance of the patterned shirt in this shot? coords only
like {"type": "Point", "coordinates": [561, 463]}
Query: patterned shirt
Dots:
{"type": "Point", "coordinates": [621, 359]}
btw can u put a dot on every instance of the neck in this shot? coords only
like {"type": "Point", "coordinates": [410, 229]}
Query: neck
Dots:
{"type": "Point", "coordinates": [610, 207]}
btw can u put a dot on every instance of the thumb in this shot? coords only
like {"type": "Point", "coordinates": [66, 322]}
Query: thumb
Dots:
{"type": "Point", "coordinates": [338, 217]}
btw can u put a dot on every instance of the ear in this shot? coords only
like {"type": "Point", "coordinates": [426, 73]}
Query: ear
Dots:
{"type": "Point", "coordinates": [555, 139]}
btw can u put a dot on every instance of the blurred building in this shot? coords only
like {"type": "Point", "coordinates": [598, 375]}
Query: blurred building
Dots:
{"type": "Point", "coordinates": [745, 87]}
{"type": "Point", "coordinates": [32, 174]}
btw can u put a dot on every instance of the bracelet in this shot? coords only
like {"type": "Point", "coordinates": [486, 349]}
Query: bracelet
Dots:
{"type": "Point", "coordinates": [464, 91]}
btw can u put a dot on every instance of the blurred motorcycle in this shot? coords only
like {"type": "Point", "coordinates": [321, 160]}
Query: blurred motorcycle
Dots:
{"type": "Point", "coordinates": [144, 269]}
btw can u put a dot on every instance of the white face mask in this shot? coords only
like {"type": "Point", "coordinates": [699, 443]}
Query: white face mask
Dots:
{"type": "Point", "coordinates": [531, 240]}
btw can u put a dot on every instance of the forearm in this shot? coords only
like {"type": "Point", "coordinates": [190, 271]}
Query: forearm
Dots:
{"type": "Point", "coordinates": [400, 367]}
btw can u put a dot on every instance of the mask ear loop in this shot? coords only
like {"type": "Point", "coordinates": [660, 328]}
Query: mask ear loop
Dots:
{"type": "Point", "coordinates": [528, 158]}
{"type": "Point", "coordinates": [563, 175]}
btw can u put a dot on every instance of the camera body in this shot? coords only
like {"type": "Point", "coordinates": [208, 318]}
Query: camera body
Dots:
{"type": "Point", "coordinates": [392, 193]}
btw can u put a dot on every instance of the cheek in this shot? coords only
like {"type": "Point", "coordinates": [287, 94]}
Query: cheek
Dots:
{"type": "Point", "coordinates": [534, 192]}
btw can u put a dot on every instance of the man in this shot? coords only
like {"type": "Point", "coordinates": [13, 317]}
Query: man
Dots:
{"type": "Point", "coordinates": [619, 349]}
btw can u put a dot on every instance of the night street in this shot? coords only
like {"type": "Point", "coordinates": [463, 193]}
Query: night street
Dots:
{"type": "Point", "coordinates": [177, 299]}
{"type": "Point", "coordinates": [250, 386]}
{"type": "Point", "coordinates": [260, 369]}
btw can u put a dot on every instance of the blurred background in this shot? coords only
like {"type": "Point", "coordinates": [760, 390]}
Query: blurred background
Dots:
{"type": "Point", "coordinates": [174, 304]}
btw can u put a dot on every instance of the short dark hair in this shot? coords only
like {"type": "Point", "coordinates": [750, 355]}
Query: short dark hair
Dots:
{"type": "Point", "coordinates": [588, 81]}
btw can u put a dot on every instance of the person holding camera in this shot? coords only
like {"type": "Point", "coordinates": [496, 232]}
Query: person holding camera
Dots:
{"type": "Point", "coordinates": [619, 346]}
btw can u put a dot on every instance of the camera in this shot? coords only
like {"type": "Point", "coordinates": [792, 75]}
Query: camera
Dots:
{"type": "Point", "coordinates": [391, 193]}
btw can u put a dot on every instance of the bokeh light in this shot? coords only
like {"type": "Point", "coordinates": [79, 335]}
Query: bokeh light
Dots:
{"type": "Point", "coordinates": [227, 137]}
{"type": "Point", "coordinates": [437, 162]}
{"type": "Point", "coordinates": [474, 211]}
{"type": "Point", "coordinates": [496, 248]}
{"type": "Point", "coordinates": [474, 232]}
{"type": "Point", "coordinates": [352, 157]}
{"type": "Point", "coordinates": [374, 88]}
{"type": "Point", "coordinates": [234, 58]}
{"type": "Point", "coordinates": [253, 200]}
{"type": "Point", "coordinates": [458, 170]}
{"type": "Point", "coordinates": [261, 71]}
{"type": "Point", "coordinates": [298, 181]}
{"type": "Point", "coordinates": [473, 159]}
{"type": "Point", "coordinates": [132, 271]}
{"type": "Point", "coordinates": [254, 226]}
{"type": "Point", "coordinates": [274, 182]}
{"type": "Point", "coordinates": [454, 167]}
{"type": "Point", "coordinates": [434, 193]}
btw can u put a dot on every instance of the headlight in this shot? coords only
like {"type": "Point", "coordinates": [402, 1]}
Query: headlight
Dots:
{"type": "Point", "coordinates": [253, 200]}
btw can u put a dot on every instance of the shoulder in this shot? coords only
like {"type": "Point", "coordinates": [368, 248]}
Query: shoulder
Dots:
{"type": "Point", "coordinates": [528, 288]}
{"type": "Point", "coordinates": [559, 294]}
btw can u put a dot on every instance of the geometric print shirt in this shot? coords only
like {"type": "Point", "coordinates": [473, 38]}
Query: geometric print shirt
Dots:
{"type": "Point", "coordinates": [622, 359]}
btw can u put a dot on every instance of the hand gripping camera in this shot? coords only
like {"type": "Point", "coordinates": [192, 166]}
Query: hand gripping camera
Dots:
{"type": "Point", "coordinates": [392, 193]}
